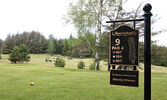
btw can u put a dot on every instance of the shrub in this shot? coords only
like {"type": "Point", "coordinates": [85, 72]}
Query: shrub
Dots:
{"type": "Point", "coordinates": [92, 66]}
{"type": "Point", "coordinates": [59, 62]}
{"type": "Point", "coordinates": [81, 65]}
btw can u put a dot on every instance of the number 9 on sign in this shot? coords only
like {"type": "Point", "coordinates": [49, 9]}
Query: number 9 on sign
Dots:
{"type": "Point", "coordinates": [117, 41]}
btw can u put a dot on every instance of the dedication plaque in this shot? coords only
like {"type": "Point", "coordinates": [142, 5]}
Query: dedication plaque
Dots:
{"type": "Point", "coordinates": [124, 78]}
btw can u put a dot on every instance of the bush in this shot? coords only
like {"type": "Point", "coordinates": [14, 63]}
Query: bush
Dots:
{"type": "Point", "coordinates": [92, 66]}
{"type": "Point", "coordinates": [59, 62]}
{"type": "Point", "coordinates": [81, 65]}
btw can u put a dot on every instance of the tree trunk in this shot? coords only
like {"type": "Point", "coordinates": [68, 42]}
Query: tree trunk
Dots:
{"type": "Point", "coordinates": [98, 35]}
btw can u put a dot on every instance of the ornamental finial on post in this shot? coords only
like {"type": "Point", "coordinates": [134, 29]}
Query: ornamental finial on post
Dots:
{"type": "Point", "coordinates": [147, 8]}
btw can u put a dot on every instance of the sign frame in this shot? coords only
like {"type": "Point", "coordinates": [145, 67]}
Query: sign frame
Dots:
{"type": "Point", "coordinates": [137, 47]}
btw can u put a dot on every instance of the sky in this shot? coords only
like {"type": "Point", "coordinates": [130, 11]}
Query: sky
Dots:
{"type": "Point", "coordinates": [46, 17]}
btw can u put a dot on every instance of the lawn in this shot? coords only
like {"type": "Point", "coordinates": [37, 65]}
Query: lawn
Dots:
{"type": "Point", "coordinates": [75, 84]}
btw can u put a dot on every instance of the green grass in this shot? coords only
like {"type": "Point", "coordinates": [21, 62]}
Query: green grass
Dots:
{"type": "Point", "coordinates": [75, 84]}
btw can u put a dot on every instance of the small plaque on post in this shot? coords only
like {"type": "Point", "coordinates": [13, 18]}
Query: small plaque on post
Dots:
{"type": "Point", "coordinates": [124, 78]}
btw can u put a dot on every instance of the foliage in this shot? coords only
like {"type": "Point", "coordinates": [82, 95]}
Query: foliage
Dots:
{"type": "Point", "coordinates": [51, 48]}
{"type": "Point", "coordinates": [84, 43]}
{"type": "Point", "coordinates": [88, 16]}
{"type": "Point", "coordinates": [35, 41]}
{"type": "Point", "coordinates": [58, 46]}
{"type": "Point", "coordinates": [0, 56]}
{"type": "Point", "coordinates": [19, 54]}
{"type": "Point", "coordinates": [65, 47]}
{"type": "Point", "coordinates": [103, 47]}
{"type": "Point", "coordinates": [158, 55]}
{"type": "Point", "coordinates": [24, 53]}
{"type": "Point", "coordinates": [59, 62]}
{"type": "Point", "coordinates": [9, 44]}
{"type": "Point", "coordinates": [92, 66]}
{"type": "Point", "coordinates": [81, 65]}
{"type": "Point", "coordinates": [14, 56]}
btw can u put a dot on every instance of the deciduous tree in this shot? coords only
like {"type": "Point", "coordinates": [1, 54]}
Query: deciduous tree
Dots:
{"type": "Point", "coordinates": [88, 16]}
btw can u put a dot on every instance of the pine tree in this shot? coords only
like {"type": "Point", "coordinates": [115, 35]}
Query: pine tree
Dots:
{"type": "Point", "coordinates": [51, 48]}
{"type": "Point", "coordinates": [65, 47]}
{"type": "Point", "coordinates": [19, 54]}
{"type": "Point", "coordinates": [14, 56]}
{"type": "Point", "coordinates": [24, 53]}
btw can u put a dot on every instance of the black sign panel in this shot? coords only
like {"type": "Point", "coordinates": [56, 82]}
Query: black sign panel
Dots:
{"type": "Point", "coordinates": [124, 78]}
{"type": "Point", "coordinates": [124, 46]}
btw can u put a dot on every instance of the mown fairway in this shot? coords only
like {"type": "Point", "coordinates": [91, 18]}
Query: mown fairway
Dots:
{"type": "Point", "coordinates": [75, 84]}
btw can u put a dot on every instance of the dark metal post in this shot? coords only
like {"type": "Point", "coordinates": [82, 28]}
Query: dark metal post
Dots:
{"type": "Point", "coordinates": [147, 51]}
{"type": "Point", "coordinates": [113, 67]}
{"type": "Point", "coordinates": [134, 26]}
{"type": "Point", "coordinates": [134, 67]}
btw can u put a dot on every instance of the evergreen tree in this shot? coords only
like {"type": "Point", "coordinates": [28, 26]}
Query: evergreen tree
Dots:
{"type": "Point", "coordinates": [14, 56]}
{"type": "Point", "coordinates": [24, 53]}
{"type": "Point", "coordinates": [65, 47]}
{"type": "Point", "coordinates": [9, 44]}
{"type": "Point", "coordinates": [19, 54]}
{"type": "Point", "coordinates": [51, 48]}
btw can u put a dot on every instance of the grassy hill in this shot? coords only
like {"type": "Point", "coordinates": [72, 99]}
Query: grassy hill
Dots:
{"type": "Point", "coordinates": [75, 84]}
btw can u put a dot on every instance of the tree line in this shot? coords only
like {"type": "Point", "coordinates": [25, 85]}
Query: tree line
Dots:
{"type": "Point", "coordinates": [38, 44]}
{"type": "Point", "coordinates": [81, 46]}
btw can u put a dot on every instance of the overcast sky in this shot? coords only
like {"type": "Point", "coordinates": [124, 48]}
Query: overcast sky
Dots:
{"type": "Point", "coordinates": [45, 16]}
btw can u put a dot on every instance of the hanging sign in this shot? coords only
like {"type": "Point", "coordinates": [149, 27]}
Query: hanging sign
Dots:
{"type": "Point", "coordinates": [123, 46]}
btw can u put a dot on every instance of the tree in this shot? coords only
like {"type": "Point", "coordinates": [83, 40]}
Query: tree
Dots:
{"type": "Point", "coordinates": [65, 47]}
{"type": "Point", "coordinates": [88, 16]}
{"type": "Point", "coordinates": [51, 48]}
{"type": "Point", "coordinates": [14, 56]}
{"type": "Point", "coordinates": [9, 44]}
{"type": "Point", "coordinates": [158, 55]}
{"type": "Point", "coordinates": [19, 54]}
{"type": "Point", "coordinates": [24, 53]}
{"type": "Point", "coordinates": [104, 46]}
{"type": "Point", "coordinates": [35, 41]}
{"type": "Point", "coordinates": [59, 46]}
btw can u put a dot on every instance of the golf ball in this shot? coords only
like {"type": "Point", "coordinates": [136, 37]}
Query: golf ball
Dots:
{"type": "Point", "coordinates": [31, 83]}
